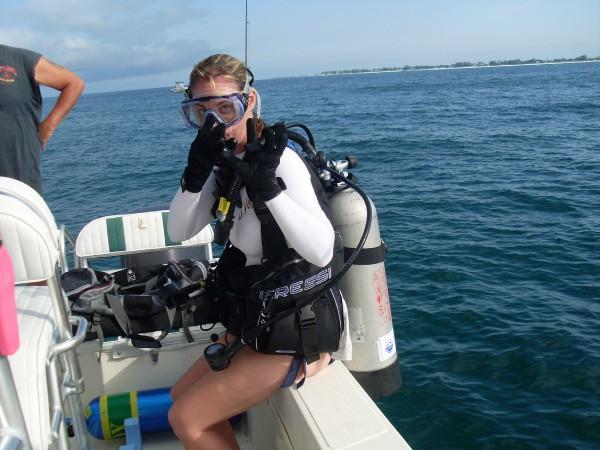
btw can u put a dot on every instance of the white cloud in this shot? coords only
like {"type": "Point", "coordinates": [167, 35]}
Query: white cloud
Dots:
{"type": "Point", "coordinates": [107, 39]}
{"type": "Point", "coordinates": [114, 39]}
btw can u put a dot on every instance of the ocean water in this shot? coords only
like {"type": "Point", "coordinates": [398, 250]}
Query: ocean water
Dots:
{"type": "Point", "coordinates": [486, 184]}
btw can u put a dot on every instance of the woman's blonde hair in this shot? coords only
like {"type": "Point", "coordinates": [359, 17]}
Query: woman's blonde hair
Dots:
{"type": "Point", "coordinates": [228, 67]}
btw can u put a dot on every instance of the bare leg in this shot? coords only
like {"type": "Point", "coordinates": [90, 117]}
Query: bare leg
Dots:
{"type": "Point", "coordinates": [195, 372]}
{"type": "Point", "coordinates": [218, 437]}
{"type": "Point", "coordinates": [200, 367]}
{"type": "Point", "coordinates": [197, 417]}
{"type": "Point", "coordinates": [268, 371]}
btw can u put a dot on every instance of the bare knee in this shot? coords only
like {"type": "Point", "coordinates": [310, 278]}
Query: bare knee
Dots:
{"type": "Point", "coordinates": [185, 429]}
{"type": "Point", "coordinates": [174, 418]}
{"type": "Point", "coordinates": [193, 432]}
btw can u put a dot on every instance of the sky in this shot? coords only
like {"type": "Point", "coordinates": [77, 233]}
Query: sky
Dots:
{"type": "Point", "coordinates": [128, 44]}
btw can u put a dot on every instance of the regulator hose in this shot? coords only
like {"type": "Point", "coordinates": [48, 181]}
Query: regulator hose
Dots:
{"type": "Point", "coordinates": [311, 139]}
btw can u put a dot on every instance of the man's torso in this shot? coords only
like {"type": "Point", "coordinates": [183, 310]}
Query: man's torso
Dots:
{"type": "Point", "coordinates": [20, 111]}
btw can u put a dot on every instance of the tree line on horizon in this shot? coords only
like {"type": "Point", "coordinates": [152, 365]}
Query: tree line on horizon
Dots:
{"type": "Point", "coordinates": [508, 62]}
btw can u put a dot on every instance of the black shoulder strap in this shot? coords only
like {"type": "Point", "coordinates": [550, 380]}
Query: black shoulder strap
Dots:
{"type": "Point", "coordinates": [273, 240]}
{"type": "Point", "coordinates": [226, 199]}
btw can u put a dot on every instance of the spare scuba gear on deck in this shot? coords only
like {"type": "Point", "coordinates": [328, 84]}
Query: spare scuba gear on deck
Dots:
{"type": "Point", "coordinates": [106, 414]}
{"type": "Point", "coordinates": [132, 301]}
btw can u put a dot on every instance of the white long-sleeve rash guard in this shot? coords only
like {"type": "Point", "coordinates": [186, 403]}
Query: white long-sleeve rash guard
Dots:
{"type": "Point", "coordinates": [296, 210]}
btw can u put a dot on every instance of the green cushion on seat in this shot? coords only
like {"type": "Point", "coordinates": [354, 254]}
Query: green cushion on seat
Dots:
{"type": "Point", "coordinates": [116, 235]}
{"type": "Point", "coordinates": [165, 220]}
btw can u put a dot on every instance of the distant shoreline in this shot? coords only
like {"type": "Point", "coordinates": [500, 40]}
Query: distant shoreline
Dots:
{"type": "Point", "coordinates": [414, 69]}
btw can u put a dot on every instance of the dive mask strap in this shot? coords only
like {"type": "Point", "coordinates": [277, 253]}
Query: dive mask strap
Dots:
{"type": "Point", "coordinates": [247, 89]}
{"type": "Point", "coordinates": [249, 81]}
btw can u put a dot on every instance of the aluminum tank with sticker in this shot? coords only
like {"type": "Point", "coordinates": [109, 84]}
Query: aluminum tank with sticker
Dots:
{"type": "Point", "coordinates": [374, 361]}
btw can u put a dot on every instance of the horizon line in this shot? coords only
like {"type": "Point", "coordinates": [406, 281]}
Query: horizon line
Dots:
{"type": "Point", "coordinates": [330, 73]}
{"type": "Point", "coordinates": [358, 72]}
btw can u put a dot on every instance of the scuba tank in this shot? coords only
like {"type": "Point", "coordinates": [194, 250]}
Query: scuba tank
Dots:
{"type": "Point", "coordinates": [374, 362]}
{"type": "Point", "coordinates": [105, 415]}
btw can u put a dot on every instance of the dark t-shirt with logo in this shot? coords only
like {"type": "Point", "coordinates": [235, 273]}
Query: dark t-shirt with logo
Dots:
{"type": "Point", "coordinates": [20, 112]}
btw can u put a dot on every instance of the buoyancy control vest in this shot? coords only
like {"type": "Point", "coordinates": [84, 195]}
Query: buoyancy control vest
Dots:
{"type": "Point", "coordinates": [252, 295]}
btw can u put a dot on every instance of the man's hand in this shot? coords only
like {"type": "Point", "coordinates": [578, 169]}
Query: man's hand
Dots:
{"type": "Point", "coordinates": [70, 86]}
{"type": "Point", "coordinates": [45, 131]}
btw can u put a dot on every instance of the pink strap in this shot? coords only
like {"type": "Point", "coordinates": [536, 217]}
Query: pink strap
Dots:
{"type": "Point", "coordinates": [9, 333]}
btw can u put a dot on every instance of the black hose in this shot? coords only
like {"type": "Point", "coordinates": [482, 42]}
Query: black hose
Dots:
{"type": "Point", "coordinates": [363, 238]}
{"type": "Point", "coordinates": [311, 139]}
{"type": "Point", "coordinates": [308, 148]}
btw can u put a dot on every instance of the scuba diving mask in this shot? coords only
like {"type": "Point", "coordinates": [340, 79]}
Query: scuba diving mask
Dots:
{"type": "Point", "coordinates": [226, 109]}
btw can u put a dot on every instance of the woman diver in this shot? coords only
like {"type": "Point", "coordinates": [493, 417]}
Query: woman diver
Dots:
{"type": "Point", "coordinates": [233, 141]}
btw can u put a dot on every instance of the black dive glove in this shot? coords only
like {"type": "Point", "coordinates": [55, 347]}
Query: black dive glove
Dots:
{"type": "Point", "coordinates": [257, 169]}
{"type": "Point", "coordinates": [205, 149]}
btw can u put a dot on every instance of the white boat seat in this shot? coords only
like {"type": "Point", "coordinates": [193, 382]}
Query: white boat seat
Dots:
{"type": "Point", "coordinates": [31, 238]}
{"type": "Point", "coordinates": [28, 365]}
{"type": "Point", "coordinates": [24, 192]}
{"type": "Point", "coordinates": [32, 199]}
{"type": "Point", "coordinates": [132, 233]}
{"type": "Point", "coordinates": [31, 245]}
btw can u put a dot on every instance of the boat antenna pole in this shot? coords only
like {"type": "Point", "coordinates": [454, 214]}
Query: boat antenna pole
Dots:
{"type": "Point", "coordinates": [246, 38]}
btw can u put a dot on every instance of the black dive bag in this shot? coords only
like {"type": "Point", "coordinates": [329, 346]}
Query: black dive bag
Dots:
{"type": "Point", "coordinates": [314, 328]}
{"type": "Point", "coordinates": [131, 301]}
{"type": "Point", "coordinates": [249, 296]}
